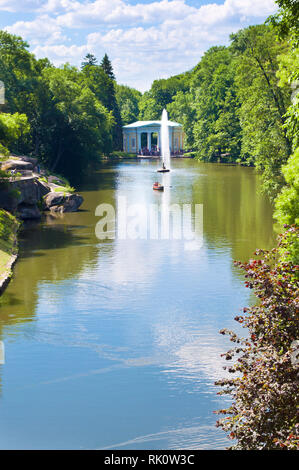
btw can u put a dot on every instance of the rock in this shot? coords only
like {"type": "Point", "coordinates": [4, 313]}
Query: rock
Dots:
{"type": "Point", "coordinates": [17, 165]}
{"type": "Point", "coordinates": [63, 202]}
{"type": "Point", "coordinates": [29, 189]}
{"type": "Point", "coordinates": [43, 187]}
{"type": "Point", "coordinates": [56, 208]}
{"type": "Point", "coordinates": [28, 211]}
{"type": "Point", "coordinates": [54, 199]}
{"type": "Point", "coordinates": [8, 200]}
{"type": "Point", "coordinates": [72, 203]}
{"type": "Point", "coordinates": [32, 160]}
{"type": "Point", "coordinates": [56, 180]}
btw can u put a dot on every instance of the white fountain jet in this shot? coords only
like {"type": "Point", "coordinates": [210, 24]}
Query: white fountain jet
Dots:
{"type": "Point", "coordinates": [165, 140]}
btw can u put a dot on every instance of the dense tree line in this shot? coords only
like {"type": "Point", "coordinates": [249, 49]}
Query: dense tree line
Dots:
{"type": "Point", "coordinates": [239, 104]}
{"type": "Point", "coordinates": [65, 116]}
{"type": "Point", "coordinates": [264, 384]}
{"type": "Point", "coordinates": [232, 104]}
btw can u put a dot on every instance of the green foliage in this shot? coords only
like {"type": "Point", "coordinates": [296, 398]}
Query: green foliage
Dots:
{"type": "Point", "coordinates": [287, 202]}
{"type": "Point", "coordinates": [64, 189]}
{"type": "Point", "coordinates": [148, 109]}
{"type": "Point", "coordinates": [8, 228]}
{"type": "Point", "coordinates": [160, 95]}
{"type": "Point", "coordinates": [286, 20]}
{"type": "Point", "coordinates": [82, 123]}
{"type": "Point", "coordinates": [263, 414]}
{"type": "Point", "coordinates": [128, 100]}
{"type": "Point", "coordinates": [263, 103]}
{"type": "Point", "coordinates": [288, 74]}
{"type": "Point", "coordinates": [12, 128]}
{"type": "Point", "coordinates": [122, 155]}
{"type": "Point", "coordinates": [72, 115]}
{"type": "Point", "coordinates": [4, 152]}
{"type": "Point", "coordinates": [107, 67]}
{"type": "Point", "coordinates": [182, 110]}
{"type": "Point", "coordinates": [89, 59]}
{"type": "Point", "coordinates": [217, 129]}
{"type": "Point", "coordinates": [289, 249]}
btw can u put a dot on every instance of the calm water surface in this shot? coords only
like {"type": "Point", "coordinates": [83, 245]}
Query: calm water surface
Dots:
{"type": "Point", "coordinates": [115, 343]}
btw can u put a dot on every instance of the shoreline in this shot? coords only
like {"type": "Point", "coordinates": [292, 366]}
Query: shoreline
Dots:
{"type": "Point", "coordinates": [8, 248]}
{"type": "Point", "coordinates": [26, 196]}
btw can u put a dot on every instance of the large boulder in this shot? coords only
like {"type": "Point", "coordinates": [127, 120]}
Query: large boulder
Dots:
{"type": "Point", "coordinates": [32, 160]}
{"type": "Point", "coordinates": [17, 164]}
{"type": "Point", "coordinates": [28, 211]}
{"type": "Point", "coordinates": [53, 199]}
{"type": "Point", "coordinates": [72, 203]}
{"type": "Point", "coordinates": [43, 188]}
{"type": "Point", "coordinates": [8, 199]}
{"type": "Point", "coordinates": [29, 189]}
{"type": "Point", "coordinates": [62, 202]}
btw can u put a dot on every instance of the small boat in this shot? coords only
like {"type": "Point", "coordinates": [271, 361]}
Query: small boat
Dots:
{"type": "Point", "coordinates": [158, 186]}
{"type": "Point", "coordinates": [163, 170]}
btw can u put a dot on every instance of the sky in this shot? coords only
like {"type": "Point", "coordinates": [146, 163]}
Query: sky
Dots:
{"type": "Point", "coordinates": [144, 39]}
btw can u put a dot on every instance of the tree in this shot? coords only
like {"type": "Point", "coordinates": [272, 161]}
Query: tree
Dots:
{"type": "Point", "coordinates": [89, 59]}
{"type": "Point", "coordinates": [217, 128]}
{"type": "Point", "coordinates": [12, 128]}
{"type": "Point", "coordinates": [287, 201]}
{"type": "Point", "coordinates": [287, 20]}
{"type": "Point", "coordinates": [128, 100]}
{"type": "Point", "coordinates": [82, 129]}
{"type": "Point", "coordinates": [286, 204]}
{"type": "Point", "coordinates": [107, 67]}
{"type": "Point", "coordinates": [148, 109]}
{"type": "Point", "coordinates": [160, 95]}
{"type": "Point", "coordinates": [182, 110]}
{"type": "Point", "coordinates": [263, 413]}
{"type": "Point", "coordinates": [263, 103]}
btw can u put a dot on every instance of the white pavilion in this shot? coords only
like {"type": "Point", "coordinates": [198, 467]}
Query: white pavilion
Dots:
{"type": "Point", "coordinates": [143, 137]}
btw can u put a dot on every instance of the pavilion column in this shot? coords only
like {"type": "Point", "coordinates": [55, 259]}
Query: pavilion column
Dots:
{"type": "Point", "coordinates": [149, 141]}
{"type": "Point", "coordinates": [138, 142]}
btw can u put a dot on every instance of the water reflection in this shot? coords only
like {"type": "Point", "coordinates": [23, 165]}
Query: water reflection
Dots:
{"type": "Point", "coordinates": [119, 338]}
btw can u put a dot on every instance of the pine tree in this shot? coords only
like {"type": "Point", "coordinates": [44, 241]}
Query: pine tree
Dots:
{"type": "Point", "coordinates": [107, 67]}
{"type": "Point", "coordinates": [89, 59]}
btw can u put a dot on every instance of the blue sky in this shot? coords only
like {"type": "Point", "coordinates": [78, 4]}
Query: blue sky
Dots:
{"type": "Point", "coordinates": [145, 39]}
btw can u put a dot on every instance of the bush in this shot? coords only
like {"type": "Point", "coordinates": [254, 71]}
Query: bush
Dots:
{"type": "Point", "coordinates": [263, 414]}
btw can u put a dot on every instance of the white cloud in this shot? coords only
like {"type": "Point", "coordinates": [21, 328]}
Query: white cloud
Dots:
{"type": "Point", "coordinates": [16, 5]}
{"type": "Point", "coordinates": [43, 28]}
{"type": "Point", "coordinates": [144, 41]}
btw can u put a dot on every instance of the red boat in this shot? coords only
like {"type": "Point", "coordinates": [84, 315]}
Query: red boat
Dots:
{"type": "Point", "coordinates": [158, 186]}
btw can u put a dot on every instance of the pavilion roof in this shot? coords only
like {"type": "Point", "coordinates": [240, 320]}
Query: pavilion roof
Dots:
{"type": "Point", "coordinates": [150, 123]}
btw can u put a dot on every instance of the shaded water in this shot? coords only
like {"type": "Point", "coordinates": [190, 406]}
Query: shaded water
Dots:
{"type": "Point", "coordinates": [115, 343]}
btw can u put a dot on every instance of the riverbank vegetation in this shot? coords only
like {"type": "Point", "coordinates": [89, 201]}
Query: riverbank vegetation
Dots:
{"type": "Point", "coordinates": [8, 242]}
{"type": "Point", "coordinates": [65, 116]}
{"type": "Point", "coordinates": [263, 413]}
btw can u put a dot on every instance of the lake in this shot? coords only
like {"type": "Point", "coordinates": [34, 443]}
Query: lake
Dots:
{"type": "Point", "coordinates": [115, 344]}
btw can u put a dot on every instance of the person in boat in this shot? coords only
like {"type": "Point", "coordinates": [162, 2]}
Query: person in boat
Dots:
{"type": "Point", "coordinates": [163, 166]}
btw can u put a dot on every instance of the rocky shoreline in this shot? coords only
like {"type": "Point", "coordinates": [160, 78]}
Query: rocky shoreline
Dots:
{"type": "Point", "coordinates": [27, 193]}
{"type": "Point", "coordinates": [32, 190]}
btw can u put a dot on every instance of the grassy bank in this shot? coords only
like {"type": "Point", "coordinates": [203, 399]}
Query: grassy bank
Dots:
{"type": "Point", "coordinates": [119, 154]}
{"type": "Point", "coordinates": [8, 243]}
